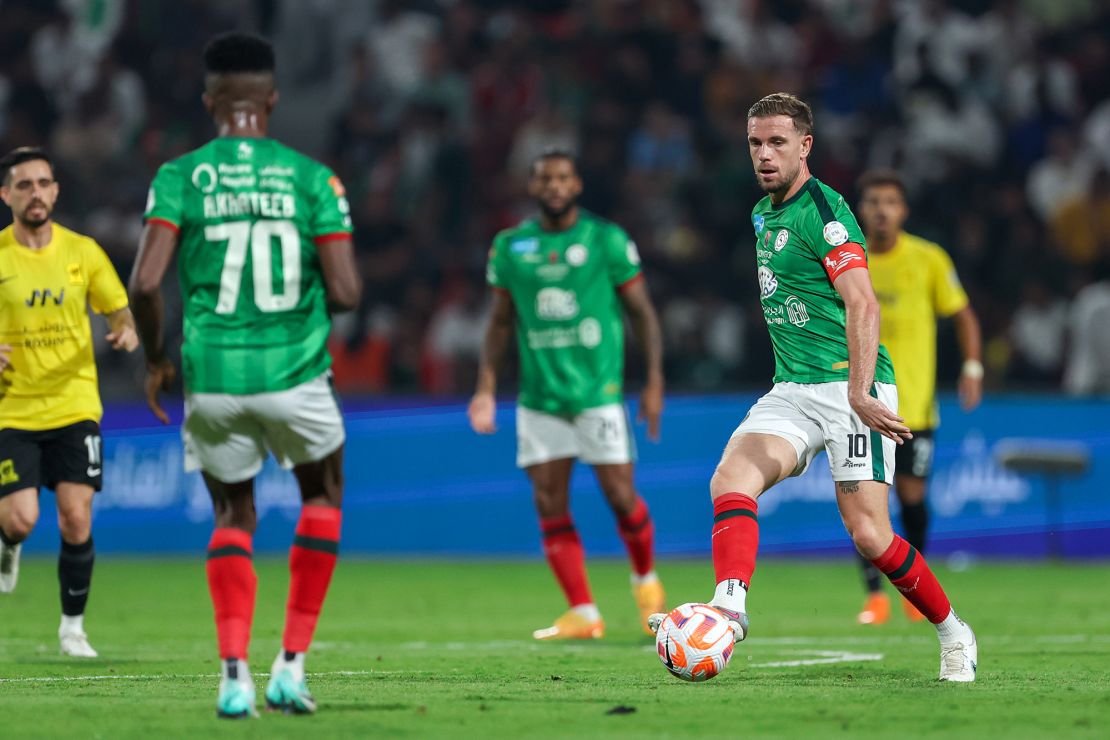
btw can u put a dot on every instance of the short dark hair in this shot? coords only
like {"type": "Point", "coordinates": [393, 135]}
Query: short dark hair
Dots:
{"type": "Point", "coordinates": [878, 178]}
{"type": "Point", "coordinates": [236, 52]}
{"type": "Point", "coordinates": [20, 155]}
{"type": "Point", "coordinates": [785, 104]}
{"type": "Point", "coordinates": [555, 152]}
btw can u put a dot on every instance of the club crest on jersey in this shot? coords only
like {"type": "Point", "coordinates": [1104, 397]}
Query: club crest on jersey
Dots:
{"type": "Point", "coordinates": [576, 255]}
{"type": "Point", "coordinates": [74, 271]}
{"type": "Point", "coordinates": [524, 246]}
{"type": "Point", "coordinates": [768, 283]}
{"type": "Point", "coordinates": [759, 223]}
{"type": "Point", "coordinates": [835, 233]}
{"type": "Point", "coordinates": [781, 239]}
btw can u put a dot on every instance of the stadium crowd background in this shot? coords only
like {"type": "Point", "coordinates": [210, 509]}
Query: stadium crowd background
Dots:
{"type": "Point", "coordinates": [997, 112]}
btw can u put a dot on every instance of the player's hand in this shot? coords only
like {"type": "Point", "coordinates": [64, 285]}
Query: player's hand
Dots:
{"type": "Point", "coordinates": [159, 377]}
{"type": "Point", "coordinates": [651, 408]}
{"type": "Point", "coordinates": [125, 339]}
{"type": "Point", "coordinates": [482, 412]}
{"type": "Point", "coordinates": [878, 417]}
{"type": "Point", "coordinates": [971, 392]}
{"type": "Point", "coordinates": [5, 353]}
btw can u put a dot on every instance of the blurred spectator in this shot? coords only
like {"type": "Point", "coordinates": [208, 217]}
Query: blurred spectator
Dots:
{"type": "Point", "coordinates": [1039, 332]}
{"type": "Point", "coordinates": [1082, 225]}
{"type": "Point", "coordinates": [1089, 362]}
{"type": "Point", "coordinates": [1064, 175]}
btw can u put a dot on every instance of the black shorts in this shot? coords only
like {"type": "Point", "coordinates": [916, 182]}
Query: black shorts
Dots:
{"type": "Point", "coordinates": [915, 456]}
{"type": "Point", "coordinates": [69, 454]}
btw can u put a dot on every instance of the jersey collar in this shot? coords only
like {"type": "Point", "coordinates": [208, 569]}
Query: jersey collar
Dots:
{"type": "Point", "coordinates": [810, 183]}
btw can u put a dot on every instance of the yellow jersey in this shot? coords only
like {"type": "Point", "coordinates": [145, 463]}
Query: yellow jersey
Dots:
{"type": "Point", "coordinates": [50, 380]}
{"type": "Point", "coordinates": [915, 283]}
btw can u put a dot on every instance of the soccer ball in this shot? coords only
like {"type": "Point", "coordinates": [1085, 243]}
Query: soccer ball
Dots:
{"type": "Point", "coordinates": [694, 642]}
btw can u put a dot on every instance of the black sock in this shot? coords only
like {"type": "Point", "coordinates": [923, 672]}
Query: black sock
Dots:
{"type": "Point", "coordinates": [75, 566]}
{"type": "Point", "coordinates": [915, 523]}
{"type": "Point", "coordinates": [871, 576]}
{"type": "Point", "coordinates": [289, 655]}
{"type": "Point", "coordinates": [231, 669]}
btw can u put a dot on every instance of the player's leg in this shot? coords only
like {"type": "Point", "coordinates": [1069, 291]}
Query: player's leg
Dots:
{"type": "Point", "coordinates": [20, 477]}
{"type": "Point", "coordinates": [606, 443]}
{"type": "Point", "coordinates": [910, 484]}
{"type": "Point", "coordinates": [304, 430]}
{"type": "Point", "coordinates": [227, 445]}
{"type": "Point", "coordinates": [73, 466]}
{"type": "Point", "coordinates": [564, 552]}
{"type": "Point", "coordinates": [638, 533]}
{"type": "Point", "coordinates": [751, 463]}
{"type": "Point", "coordinates": [75, 565]}
{"type": "Point", "coordinates": [547, 446]}
{"type": "Point", "coordinates": [862, 466]}
{"type": "Point", "coordinates": [19, 512]}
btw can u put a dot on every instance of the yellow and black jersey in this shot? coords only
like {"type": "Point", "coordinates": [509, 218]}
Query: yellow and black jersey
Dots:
{"type": "Point", "coordinates": [915, 283]}
{"type": "Point", "coordinates": [51, 379]}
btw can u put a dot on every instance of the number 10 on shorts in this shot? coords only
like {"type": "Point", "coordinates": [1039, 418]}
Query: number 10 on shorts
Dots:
{"type": "Point", "coordinates": [857, 445]}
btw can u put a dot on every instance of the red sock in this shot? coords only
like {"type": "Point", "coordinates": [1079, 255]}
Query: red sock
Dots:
{"type": "Point", "coordinates": [735, 537]}
{"type": "Point", "coordinates": [907, 570]}
{"type": "Point", "coordinates": [638, 533]}
{"type": "Point", "coordinates": [232, 584]}
{"type": "Point", "coordinates": [567, 558]}
{"type": "Point", "coordinates": [311, 563]}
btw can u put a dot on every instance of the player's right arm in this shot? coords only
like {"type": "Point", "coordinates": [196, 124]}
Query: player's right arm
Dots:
{"type": "Point", "coordinates": [156, 251]}
{"type": "Point", "coordinates": [499, 332]}
{"type": "Point", "coordinates": [331, 232]}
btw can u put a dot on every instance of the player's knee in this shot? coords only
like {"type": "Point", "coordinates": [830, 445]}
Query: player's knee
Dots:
{"type": "Point", "coordinates": [75, 526]}
{"type": "Point", "coordinates": [19, 525]}
{"type": "Point", "coordinates": [870, 540]}
{"type": "Point", "coordinates": [549, 502]}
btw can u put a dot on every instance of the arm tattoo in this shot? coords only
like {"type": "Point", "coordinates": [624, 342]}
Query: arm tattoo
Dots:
{"type": "Point", "coordinates": [847, 486]}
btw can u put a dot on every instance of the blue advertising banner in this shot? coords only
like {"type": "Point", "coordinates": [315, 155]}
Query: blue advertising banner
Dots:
{"type": "Point", "coordinates": [419, 483]}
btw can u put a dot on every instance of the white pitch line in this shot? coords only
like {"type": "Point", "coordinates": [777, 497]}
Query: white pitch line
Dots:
{"type": "Point", "coordinates": [168, 676]}
{"type": "Point", "coordinates": [829, 656]}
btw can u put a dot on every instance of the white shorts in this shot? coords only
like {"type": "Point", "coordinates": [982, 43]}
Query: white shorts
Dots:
{"type": "Point", "coordinates": [597, 436]}
{"type": "Point", "coordinates": [228, 436]}
{"type": "Point", "coordinates": [815, 417]}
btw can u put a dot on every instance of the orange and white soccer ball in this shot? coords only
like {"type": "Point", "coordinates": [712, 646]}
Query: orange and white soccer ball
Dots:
{"type": "Point", "coordinates": [694, 642]}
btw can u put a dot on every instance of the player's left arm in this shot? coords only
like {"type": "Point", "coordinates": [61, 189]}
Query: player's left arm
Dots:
{"type": "Point", "coordinates": [122, 334]}
{"type": "Point", "coordinates": [950, 299]}
{"type": "Point", "coordinates": [645, 324]}
{"type": "Point", "coordinates": [331, 231]}
{"type": "Point", "coordinates": [156, 251]}
{"type": "Point", "coordinates": [862, 330]}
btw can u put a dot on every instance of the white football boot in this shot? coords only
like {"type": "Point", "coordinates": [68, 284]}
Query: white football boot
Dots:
{"type": "Point", "coordinates": [959, 660]}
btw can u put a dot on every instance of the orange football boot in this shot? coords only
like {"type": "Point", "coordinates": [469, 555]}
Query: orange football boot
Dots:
{"type": "Point", "coordinates": [876, 610]}
{"type": "Point", "coordinates": [650, 599]}
{"type": "Point", "coordinates": [572, 626]}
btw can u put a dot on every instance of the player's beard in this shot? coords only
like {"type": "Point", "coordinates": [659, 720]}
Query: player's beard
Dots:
{"type": "Point", "coordinates": [782, 186]}
{"type": "Point", "coordinates": [557, 213]}
{"type": "Point", "coordinates": [34, 223]}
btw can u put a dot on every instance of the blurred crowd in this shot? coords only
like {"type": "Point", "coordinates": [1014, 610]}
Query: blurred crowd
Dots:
{"type": "Point", "coordinates": [997, 112]}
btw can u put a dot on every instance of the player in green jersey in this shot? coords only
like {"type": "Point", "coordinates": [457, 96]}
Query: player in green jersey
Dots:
{"type": "Point", "coordinates": [562, 279]}
{"type": "Point", "coordinates": [262, 237]}
{"type": "Point", "coordinates": [834, 385]}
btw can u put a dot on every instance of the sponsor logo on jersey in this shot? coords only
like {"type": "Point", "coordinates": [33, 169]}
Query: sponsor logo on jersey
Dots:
{"type": "Point", "coordinates": [796, 311]}
{"type": "Point", "coordinates": [633, 253]}
{"type": "Point", "coordinates": [843, 259]}
{"type": "Point", "coordinates": [759, 223]}
{"type": "Point", "coordinates": [849, 464]}
{"type": "Point", "coordinates": [524, 246]}
{"type": "Point", "coordinates": [556, 304]}
{"type": "Point", "coordinates": [835, 233]}
{"type": "Point", "coordinates": [204, 177]}
{"type": "Point", "coordinates": [40, 297]}
{"type": "Point", "coordinates": [768, 283]}
{"type": "Point", "coordinates": [781, 239]}
{"type": "Point", "coordinates": [577, 255]}
{"type": "Point", "coordinates": [589, 333]}
{"type": "Point", "coordinates": [552, 273]}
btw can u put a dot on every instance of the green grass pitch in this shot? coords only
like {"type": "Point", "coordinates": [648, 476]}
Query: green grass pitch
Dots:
{"type": "Point", "coordinates": [432, 649]}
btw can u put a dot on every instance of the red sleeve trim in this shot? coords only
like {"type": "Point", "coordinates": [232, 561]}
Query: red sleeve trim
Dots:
{"type": "Point", "coordinates": [630, 282]}
{"type": "Point", "coordinates": [333, 237]}
{"type": "Point", "coordinates": [164, 222]}
{"type": "Point", "coordinates": [840, 259]}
